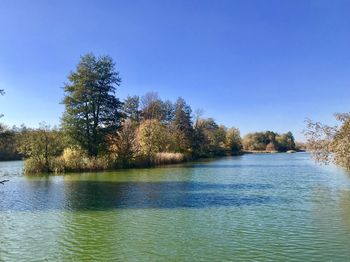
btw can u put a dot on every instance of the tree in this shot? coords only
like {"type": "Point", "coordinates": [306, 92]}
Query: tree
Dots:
{"type": "Point", "coordinates": [212, 138]}
{"type": "Point", "coordinates": [183, 125]}
{"type": "Point", "coordinates": [256, 141]}
{"type": "Point", "coordinates": [329, 143]}
{"type": "Point", "coordinates": [131, 108]}
{"type": "Point", "coordinates": [8, 143]}
{"type": "Point", "coordinates": [151, 138]}
{"type": "Point", "coordinates": [269, 141]}
{"type": "Point", "coordinates": [92, 111]}
{"type": "Point", "coordinates": [233, 141]}
{"type": "Point", "coordinates": [152, 107]}
{"type": "Point", "coordinates": [41, 145]}
{"type": "Point", "coordinates": [285, 142]}
{"type": "Point", "coordinates": [270, 147]}
{"type": "Point", "coordinates": [122, 144]}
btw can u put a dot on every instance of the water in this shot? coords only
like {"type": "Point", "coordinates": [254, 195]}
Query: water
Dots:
{"type": "Point", "coordinates": [251, 208]}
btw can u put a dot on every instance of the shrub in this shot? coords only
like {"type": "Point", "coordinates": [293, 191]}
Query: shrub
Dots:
{"type": "Point", "coordinates": [34, 166]}
{"type": "Point", "coordinates": [74, 159]}
{"type": "Point", "coordinates": [98, 163]}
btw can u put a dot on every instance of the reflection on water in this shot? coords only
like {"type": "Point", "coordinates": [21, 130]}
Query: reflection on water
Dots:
{"type": "Point", "coordinates": [97, 195]}
{"type": "Point", "coordinates": [255, 207]}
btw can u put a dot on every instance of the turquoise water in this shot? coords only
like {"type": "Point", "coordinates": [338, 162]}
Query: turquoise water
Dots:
{"type": "Point", "coordinates": [268, 207]}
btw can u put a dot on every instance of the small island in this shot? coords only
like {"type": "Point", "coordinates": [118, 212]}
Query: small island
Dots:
{"type": "Point", "coordinates": [100, 132]}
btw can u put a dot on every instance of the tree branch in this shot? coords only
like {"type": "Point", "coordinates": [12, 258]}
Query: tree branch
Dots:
{"type": "Point", "coordinates": [4, 181]}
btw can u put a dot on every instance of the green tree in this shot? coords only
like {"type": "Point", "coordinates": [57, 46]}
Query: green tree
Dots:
{"type": "Point", "coordinates": [8, 144]}
{"type": "Point", "coordinates": [285, 142]}
{"type": "Point", "coordinates": [41, 145]}
{"type": "Point", "coordinates": [131, 108]}
{"type": "Point", "coordinates": [183, 126]}
{"type": "Point", "coordinates": [212, 138]}
{"type": "Point", "coordinates": [92, 111]}
{"type": "Point", "coordinates": [259, 141]}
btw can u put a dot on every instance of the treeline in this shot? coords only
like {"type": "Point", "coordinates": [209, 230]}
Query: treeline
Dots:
{"type": "Point", "coordinates": [8, 143]}
{"type": "Point", "coordinates": [98, 131]}
{"type": "Point", "coordinates": [269, 141]}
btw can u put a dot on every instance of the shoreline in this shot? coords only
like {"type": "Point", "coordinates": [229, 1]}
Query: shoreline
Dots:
{"type": "Point", "coordinates": [152, 165]}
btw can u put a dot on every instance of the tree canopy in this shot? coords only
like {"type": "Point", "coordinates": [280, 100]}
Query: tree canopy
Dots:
{"type": "Point", "coordinates": [92, 111]}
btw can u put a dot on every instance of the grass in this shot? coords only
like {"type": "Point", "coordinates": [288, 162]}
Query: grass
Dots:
{"type": "Point", "coordinates": [165, 158]}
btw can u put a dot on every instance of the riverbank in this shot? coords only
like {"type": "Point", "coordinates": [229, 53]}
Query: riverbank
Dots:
{"type": "Point", "coordinates": [74, 163]}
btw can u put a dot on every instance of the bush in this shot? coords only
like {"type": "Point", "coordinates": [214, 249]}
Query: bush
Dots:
{"type": "Point", "coordinates": [74, 159]}
{"type": "Point", "coordinates": [98, 163]}
{"type": "Point", "coordinates": [34, 166]}
{"type": "Point", "coordinates": [37, 166]}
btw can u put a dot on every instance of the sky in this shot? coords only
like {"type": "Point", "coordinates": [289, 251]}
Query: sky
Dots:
{"type": "Point", "coordinates": [256, 65]}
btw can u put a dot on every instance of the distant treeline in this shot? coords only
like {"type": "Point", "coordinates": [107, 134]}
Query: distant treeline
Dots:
{"type": "Point", "coordinates": [98, 131]}
{"type": "Point", "coordinates": [8, 143]}
{"type": "Point", "coordinates": [269, 141]}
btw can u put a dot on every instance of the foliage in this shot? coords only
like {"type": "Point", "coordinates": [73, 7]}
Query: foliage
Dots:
{"type": "Point", "coordinates": [151, 138]}
{"type": "Point", "coordinates": [233, 141]}
{"type": "Point", "coordinates": [131, 108]}
{"type": "Point", "coordinates": [210, 139]}
{"type": "Point", "coordinates": [330, 143]}
{"type": "Point", "coordinates": [183, 126]}
{"type": "Point", "coordinates": [100, 132]}
{"type": "Point", "coordinates": [92, 109]}
{"type": "Point", "coordinates": [269, 141]}
{"type": "Point", "coordinates": [285, 142]}
{"type": "Point", "coordinates": [122, 144]}
{"type": "Point", "coordinates": [271, 147]}
{"type": "Point", "coordinates": [152, 107]}
{"type": "Point", "coordinates": [74, 159]}
{"type": "Point", "coordinates": [41, 145]}
{"type": "Point", "coordinates": [8, 143]}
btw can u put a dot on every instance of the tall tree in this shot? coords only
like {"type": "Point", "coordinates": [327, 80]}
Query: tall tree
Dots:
{"type": "Point", "coordinates": [183, 125]}
{"type": "Point", "coordinates": [233, 141]}
{"type": "Point", "coordinates": [122, 144]}
{"type": "Point", "coordinates": [92, 108]}
{"type": "Point", "coordinates": [131, 108]}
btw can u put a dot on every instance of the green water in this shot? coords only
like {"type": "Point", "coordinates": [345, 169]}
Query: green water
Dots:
{"type": "Point", "coordinates": [251, 208]}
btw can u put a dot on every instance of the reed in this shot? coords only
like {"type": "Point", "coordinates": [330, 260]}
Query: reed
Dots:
{"type": "Point", "coordinates": [165, 158]}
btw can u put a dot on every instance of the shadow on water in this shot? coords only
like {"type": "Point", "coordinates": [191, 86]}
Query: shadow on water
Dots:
{"type": "Point", "coordinates": [99, 195]}
{"type": "Point", "coordinates": [239, 166]}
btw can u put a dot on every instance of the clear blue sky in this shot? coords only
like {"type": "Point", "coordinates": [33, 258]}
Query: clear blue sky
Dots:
{"type": "Point", "coordinates": [256, 65]}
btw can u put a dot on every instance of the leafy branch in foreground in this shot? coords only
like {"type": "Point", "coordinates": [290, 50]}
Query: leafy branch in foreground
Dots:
{"type": "Point", "coordinates": [330, 144]}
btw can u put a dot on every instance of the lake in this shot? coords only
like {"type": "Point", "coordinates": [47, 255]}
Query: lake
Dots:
{"type": "Point", "coordinates": [257, 207]}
